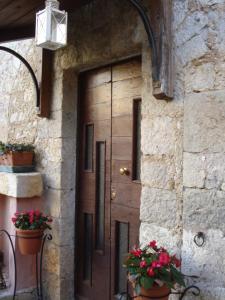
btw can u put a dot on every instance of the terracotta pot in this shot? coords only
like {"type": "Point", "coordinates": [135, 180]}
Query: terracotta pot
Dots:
{"type": "Point", "coordinates": [156, 292]}
{"type": "Point", "coordinates": [17, 159]}
{"type": "Point", "coordinates": [29, 241]}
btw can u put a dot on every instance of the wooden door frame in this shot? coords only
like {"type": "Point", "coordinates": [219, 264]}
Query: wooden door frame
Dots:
{"type": "Point", "coordinates": [79, 132]}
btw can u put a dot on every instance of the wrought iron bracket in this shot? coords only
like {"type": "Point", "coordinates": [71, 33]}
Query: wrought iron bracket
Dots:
{"type": "Point", "coordinates": [159, 39]}
{"type": "Point", "coordinates": [29, 68]}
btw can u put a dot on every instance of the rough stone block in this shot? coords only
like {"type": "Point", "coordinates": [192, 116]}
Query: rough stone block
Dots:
{"type": "Point", "coordinates": [181, 9]}
{"type": "Point", "coordinates": [193, 170]}
{"type": "Point", "coordinates": [163, 236]}
{"type": "Point", "coordinates": [204, 122]}
{"type": "Point", "coordinates": [207, 262]}
{"type": "Point", "coordinates": [160, 135]}
{"type": "Point", "coordinates": [158, 172]}
{"type": "Point", "coordinates": [204, 170]}
{"type": "Point", "coordinates": [159, 207]}
{"type": "Point", "coordinates": [200, 78]}
{"type": "Point", "coordinates": [191, 27]}
{"type": "Point", "coordinates": [203, 209]}
{"type": "Point", "coordinates": [193, 49]}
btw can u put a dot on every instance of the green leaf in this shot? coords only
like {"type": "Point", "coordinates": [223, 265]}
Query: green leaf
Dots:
{"type": "Point", "coordinates": [146, 282]}
{"type": "Point", "coordinates": [177, 276]}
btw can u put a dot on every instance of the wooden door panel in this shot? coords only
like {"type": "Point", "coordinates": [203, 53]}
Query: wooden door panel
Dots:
{"type": "Point", "coordinates": [116, 165]}
{"type": "Point", "coordinates": [122, 107]}
{"type": "Point", "coordinates": [97, 77]}
{"type": "Point", "coordinates": [127, 89]}
{"type": "Point", "coordinates": [100, 111]}
{"type": "Point", "coordinates": [109, 203]}
{"type": "Point", "coordinates": [125, 203]}
{"type": "Point", "coordinates": [126, 191]}
{"type": "Point", "coordinates": [98, 95]}
{"type": "Point", "coordinates": [94, 186]}
{"type": "Point", "coordinates": [122, 126]}
{"type": "Point", "coordinates": [127, 70]}
{"type": "Point", "coordinates": [122, 148]}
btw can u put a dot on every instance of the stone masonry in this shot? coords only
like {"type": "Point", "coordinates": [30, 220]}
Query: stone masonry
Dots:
{"type": "Point", "coordinates": [183, 141]}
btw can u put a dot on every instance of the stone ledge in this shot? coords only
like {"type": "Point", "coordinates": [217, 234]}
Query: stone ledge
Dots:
{"type": "Point", "coordinates": [21, 185]}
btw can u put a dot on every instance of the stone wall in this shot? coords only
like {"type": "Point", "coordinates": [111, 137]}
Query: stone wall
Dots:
{"type": "Point", "coordinates": [200, 49]}
{"type": "Point", "coordinates": [183, 141]}
{"type": "Point", "coordinates": [19, 123]}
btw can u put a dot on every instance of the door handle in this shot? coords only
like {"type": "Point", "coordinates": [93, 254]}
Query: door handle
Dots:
{"type": "Point", "coordinates": [113, 194]}
{"type": "Point", "coordinates": [124, 171]}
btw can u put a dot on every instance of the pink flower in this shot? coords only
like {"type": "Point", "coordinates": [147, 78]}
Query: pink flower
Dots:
{"type": "Point", "coordinates": [152, 244]}
{"type": "Point", "coordinates": [37, 213]}
{"type": "Point", "coordinates": [143, 264]}
{"type": "Point", "coordinates": [31, 213]}
{"type": "Point", "coordinates": [150, 272]}
{"type": "Point", "coordinates": [136, 252]}
{"type": "Point", "coordinates": [14, 220]}
{"type": "Point", "coordinates": [164, 258]}
{"type": "Point", "coordinates": [156, 264]}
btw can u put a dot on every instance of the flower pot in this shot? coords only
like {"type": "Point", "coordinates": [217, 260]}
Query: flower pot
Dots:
{"type": "Point", "coordinates": [17, 159]}
{"type": "Point", "coordinates": [156, 292]}
{"type": "Point", "coordinates": [29, 241]}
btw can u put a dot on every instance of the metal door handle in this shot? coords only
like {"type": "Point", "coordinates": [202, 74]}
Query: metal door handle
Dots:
{"type": "Point", "coordinates": [113, 195]}
{"type": "Point", "coordinates": [124, 171]}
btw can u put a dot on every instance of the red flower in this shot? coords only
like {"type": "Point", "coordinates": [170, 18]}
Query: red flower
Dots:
{"type": "Point", "coordinates": [152, 244]}
{"type": "Point", "coordinates": [150, 272]}
{"type": "Point", "coordinates": [37, 213]}
{"type": "Point", "coordinates": [156, 264]}
{"type": "Point", "coordinates": [14, 220]}
{"type": "Point", "coordinates": [164, 258]}
{"type": "Point", "coordinates": [143, 264]}
{"type": "Point", "coordinates": [136, 252]}
{"type": "Point", "coordinates": [176, 261]}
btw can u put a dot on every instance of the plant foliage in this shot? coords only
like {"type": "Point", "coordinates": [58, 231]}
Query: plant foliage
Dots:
{"type": "Point", "coordinates": [6, 148]}
{"type": "Point", "coordinates": [31, 220]}
{"type": "Point", "coordinates": [153, 265]}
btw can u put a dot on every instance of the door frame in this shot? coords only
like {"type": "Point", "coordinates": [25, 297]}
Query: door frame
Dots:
{"type": "Point", "coordinates": [79, 131]}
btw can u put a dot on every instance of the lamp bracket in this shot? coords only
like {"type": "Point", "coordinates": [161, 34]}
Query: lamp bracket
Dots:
{"type": "Point", "coordinates": [158, 28]}
{"type": "Point", "coordinates": [29, 68]}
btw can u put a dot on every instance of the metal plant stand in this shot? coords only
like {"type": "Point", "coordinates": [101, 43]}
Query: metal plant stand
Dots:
{"type": "Point", "coordinates": [39, 264]}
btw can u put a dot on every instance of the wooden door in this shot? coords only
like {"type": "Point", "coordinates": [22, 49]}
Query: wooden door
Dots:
{"type": "Point", "coordinates": [109, 178]}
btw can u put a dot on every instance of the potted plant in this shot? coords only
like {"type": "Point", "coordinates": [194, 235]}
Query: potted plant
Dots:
{"type": "Point", "coordinates": [16, 154]}
{"type": "Point", "coordinates": [153, 272]}
{"type": "Point", "coordinates": [30, 226]}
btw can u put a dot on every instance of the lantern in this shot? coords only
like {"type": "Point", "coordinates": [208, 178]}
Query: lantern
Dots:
{"type": "Point", "coordinates": [51, 26]}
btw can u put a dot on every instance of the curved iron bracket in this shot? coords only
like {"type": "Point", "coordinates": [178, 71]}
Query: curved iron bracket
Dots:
{"type": "Point", "coordinates": [161, 48]}
{"type": "Point", "coordinates": [151, 38]}
{"type": "Point", "coordinates": [28, 66]}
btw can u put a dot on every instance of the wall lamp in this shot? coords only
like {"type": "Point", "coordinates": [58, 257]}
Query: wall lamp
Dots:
{"type": "Point", "coordinates": [51, 34]}
{"type": "Point", "coordinates": [51, 29]}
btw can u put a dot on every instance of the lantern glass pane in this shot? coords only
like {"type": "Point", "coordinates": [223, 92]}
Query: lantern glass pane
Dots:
{"type": "Point", "coordinates": [59, 27]}
{"type": "Point", "coordinates": [41, 33]}
{"type": "Point", "coordinates": [51, 28]}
